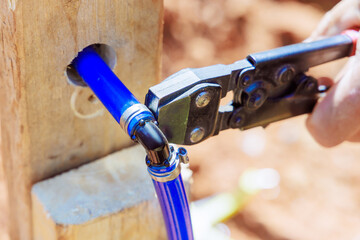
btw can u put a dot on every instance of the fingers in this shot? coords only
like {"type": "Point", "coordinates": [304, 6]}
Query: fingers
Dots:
{"type": "Point", "coordinates": [336, 117]}
{"type": "Point", "coordinates": [344, 15]}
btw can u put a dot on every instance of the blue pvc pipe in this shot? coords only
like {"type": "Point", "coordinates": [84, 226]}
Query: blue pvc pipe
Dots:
{"type": "Point", "coordinates": [175, 209]}
{"type": "Point", "coordinates": [104, 83]}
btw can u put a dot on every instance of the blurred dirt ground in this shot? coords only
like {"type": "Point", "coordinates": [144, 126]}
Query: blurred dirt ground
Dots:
{"type": "Point", "coordinates": [319, 193]}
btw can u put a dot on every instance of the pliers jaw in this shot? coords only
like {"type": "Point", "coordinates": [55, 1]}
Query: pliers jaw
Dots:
{"type": "Point", "coordinates": [186, 104]}
{"type": "Point", "coordinates": [267, 87]}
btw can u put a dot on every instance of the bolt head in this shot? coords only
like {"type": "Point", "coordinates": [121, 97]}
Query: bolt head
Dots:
{"type": "Point", "coordinates": [286, 74]}
{"type": "Point", "coordinates": [237, 119]}
{"type": "Point", "coordinates": [256, 99]}
{"type": "Point", "coordinates": [245, 77]}
{"type": "Point", "coordinates": [203, 99]}
{"type": "Point", "coordinates": [197, 134]}
{"type": "Point", "coordinates": [246, 80]}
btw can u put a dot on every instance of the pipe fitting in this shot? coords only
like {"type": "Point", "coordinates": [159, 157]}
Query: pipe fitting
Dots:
{"type": "Point", "coordinates": [162, 173]}
{"type": "Point", "coordinates": [132, 116]}
{"type": "Point", "coordinates": [149, 135]}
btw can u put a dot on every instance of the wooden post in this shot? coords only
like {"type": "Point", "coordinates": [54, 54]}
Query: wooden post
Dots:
{"type": "Point", "coordinates": [41, 136]}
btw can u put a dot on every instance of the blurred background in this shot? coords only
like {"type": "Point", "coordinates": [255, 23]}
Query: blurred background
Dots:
{"type": "Point", "coordinates": [318, 196]}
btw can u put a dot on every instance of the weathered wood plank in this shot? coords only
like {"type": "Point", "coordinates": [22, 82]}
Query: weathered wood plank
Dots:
{"type": "Point", "coordinates": [40, 134]}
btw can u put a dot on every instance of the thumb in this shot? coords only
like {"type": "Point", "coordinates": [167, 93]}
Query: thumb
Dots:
{"type": "Point", "coordinates": [344, 15]}
{"type": "Point", "coordinates": [336, 117]}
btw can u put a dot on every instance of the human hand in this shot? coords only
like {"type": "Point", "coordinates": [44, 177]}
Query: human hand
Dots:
{"type": "Point", "coordinates": [336, 117]}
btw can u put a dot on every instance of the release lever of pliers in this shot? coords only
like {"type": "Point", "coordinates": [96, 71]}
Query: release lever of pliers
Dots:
{"type": "Point", "coordinates": [267, 87]}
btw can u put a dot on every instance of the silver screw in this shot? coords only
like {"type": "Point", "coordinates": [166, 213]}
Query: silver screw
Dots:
{"type": "Point", "coordinates": [197, 134]}
{"type": "Point", "coordinates": [203, 99]}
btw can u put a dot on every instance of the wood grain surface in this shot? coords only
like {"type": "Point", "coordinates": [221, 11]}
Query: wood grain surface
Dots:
{"type": "Point", "coordinates": [41, 136]}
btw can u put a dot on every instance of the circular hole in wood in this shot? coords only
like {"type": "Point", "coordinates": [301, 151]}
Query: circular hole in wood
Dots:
{"type": "Point", "coordinates": [106, 52]}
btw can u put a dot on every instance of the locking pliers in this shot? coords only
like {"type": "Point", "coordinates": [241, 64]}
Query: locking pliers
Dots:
{"type": "Point", "coordinates": [267, 87]}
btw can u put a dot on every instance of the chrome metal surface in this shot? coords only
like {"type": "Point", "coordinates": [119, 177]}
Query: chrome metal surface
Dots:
{"type": "Point", "coordinates": [130, 113]}
{"type": "Point", "coordinates": [165, 174]}
{"type": "Point", "coordinates": [197, 134]}
{"type": "Point", "coordinates": [203, 99]}
{"type": "Point", "coordinates": [183, 156]}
